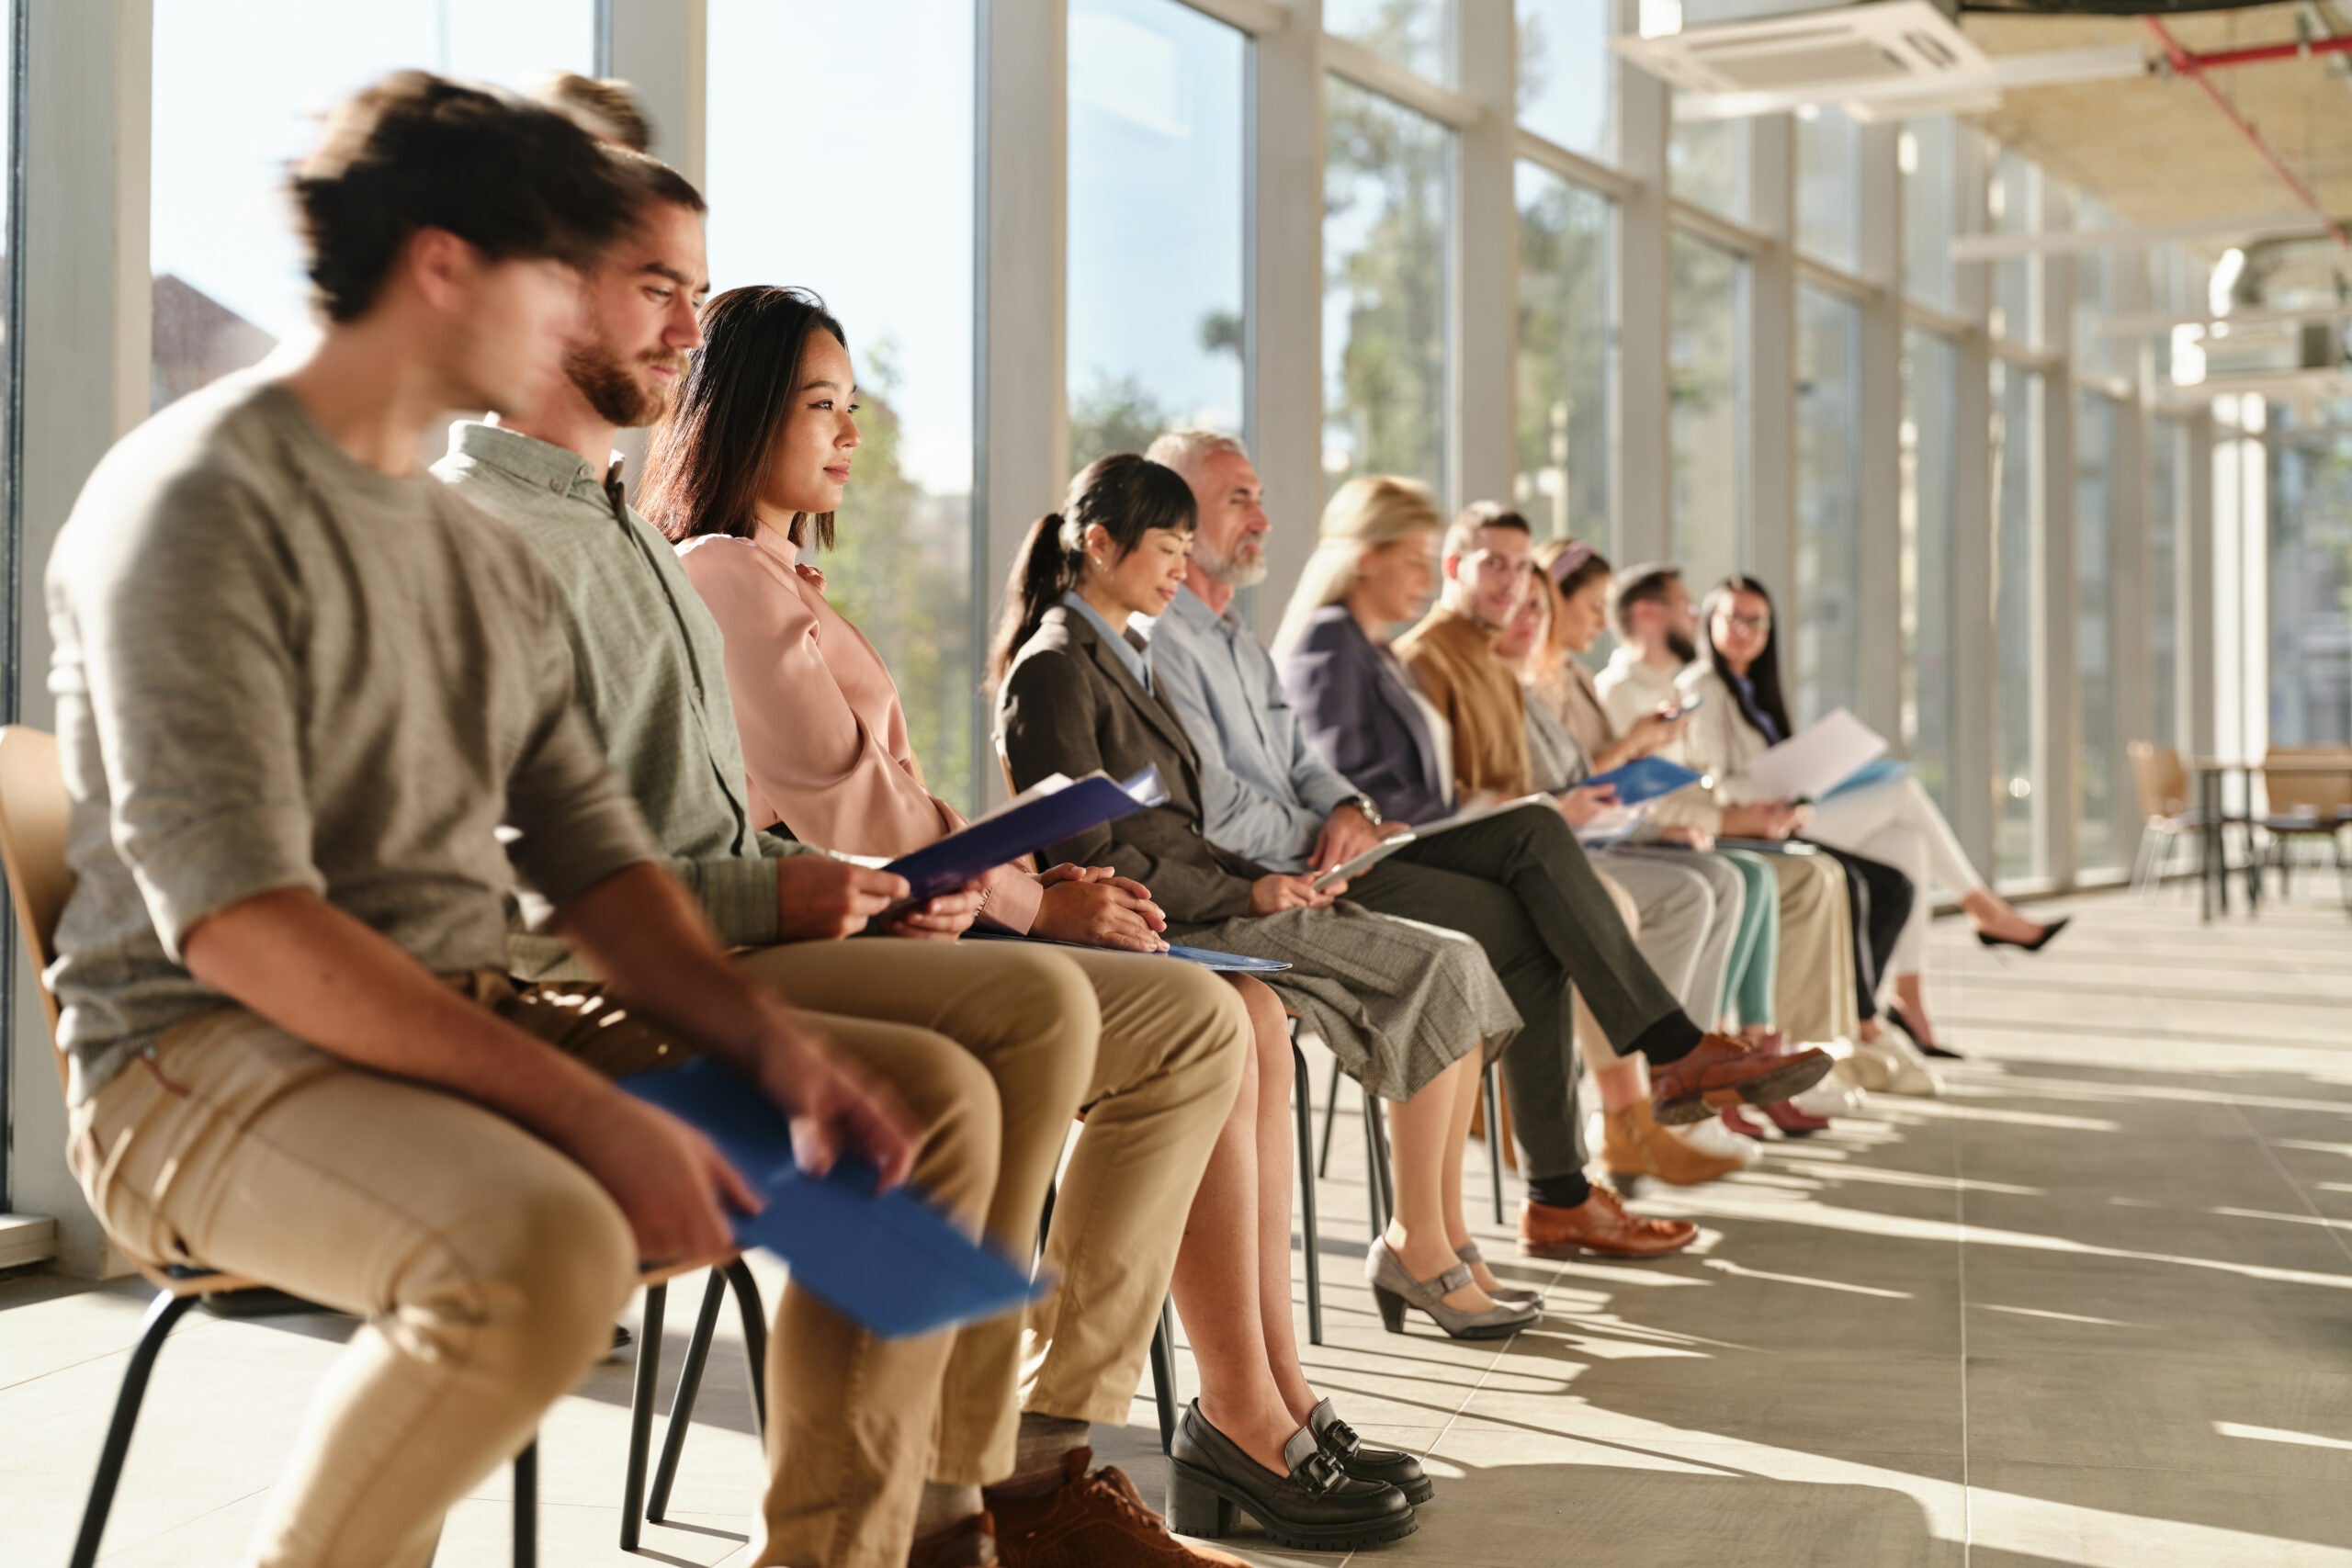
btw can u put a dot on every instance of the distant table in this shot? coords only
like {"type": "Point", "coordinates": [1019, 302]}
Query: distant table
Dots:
{"type": "Point", "coordinates": [2213, 868]}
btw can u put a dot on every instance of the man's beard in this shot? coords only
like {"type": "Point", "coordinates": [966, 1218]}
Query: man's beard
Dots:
{"type": "Point", "coordinates": [1679, 645]}
{"type": "Point", "coordinates": [1232, 571]}
{"type": "Point", "coordinates": [618, 395]}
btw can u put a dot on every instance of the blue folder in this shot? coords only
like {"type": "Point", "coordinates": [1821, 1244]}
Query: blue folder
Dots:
{"type": "Point", "coordinates": [1644, 778]}
{"type": "Point", "coordinates": [1877, 771]}
{"type": "Point", "coordinates": [1023, 830]}
{"type": "Point", "coordinates": [887, 1261]}
{"type": "Point", "coordinates": [1206, 957]}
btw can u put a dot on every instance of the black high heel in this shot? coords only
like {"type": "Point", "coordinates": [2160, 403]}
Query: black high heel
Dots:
{"type": "Point", "coordinates": [2036, 945]}
{"type": "Point", "coordinates": [1926, 1047]}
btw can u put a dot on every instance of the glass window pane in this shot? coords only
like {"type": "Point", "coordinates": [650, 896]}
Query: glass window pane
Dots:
{"type": "Point", "coordinates": [1156, 335]}
{"type": "Point", "coordinates": [1930, 371]}
{"type": "Point", "coordinates": [889, 248]}
{"type": "Point", "coordinates": [1928, 210]}
{"type": "Point", "coordinates": [2096, 275]}
{"type": "Point", "coordinates": [251, 77]}
{"type": "Point", "coordinates": [1386, 195]}
{"type": "Point", "coordinates": [1829, 187]}
{"type": "Point", "coordinates": [2019, 846]}
{"type": "Point", "coordinates": [2167, 485]}
{"type": "Point", "coordinates": [2099, 781]}
{"type": "Point", "coordinates": [1707, 164]}
{"type": "Point", "coordinates": [1829, 585]}
{"type": "Point", "coordinates": [1565, 351]}
{"type": "Point", "coordinates": [2311, 575]}
{"type": "Point", "coordinates": [1416, 34]}
{"type": "Point", "coordinates": [1566, 79]}
{"type": "Point", "coordinates": [1709, 386]}
{"type": "Point", "coordinates": [2016, 193]}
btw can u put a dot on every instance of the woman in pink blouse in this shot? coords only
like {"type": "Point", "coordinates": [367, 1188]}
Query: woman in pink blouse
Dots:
{"type": "Point", "coordinates": [743, 475]}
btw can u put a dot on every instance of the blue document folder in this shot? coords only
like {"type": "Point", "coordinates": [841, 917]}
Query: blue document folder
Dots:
{"type": "Point", "coordinates": [1644, 778]}
{"type": "Point", "coordinates": [1869, 773]}
{"type": "Point", "coordinates": [1206, 957]}
{"type": "Point", "coordinates": [887, 1261]}
{"type": "Point", "coordinates": [1033, 820]}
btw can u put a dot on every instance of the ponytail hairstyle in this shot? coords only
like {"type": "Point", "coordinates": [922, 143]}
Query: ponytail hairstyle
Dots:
{"type": "Point", "coordinates": [1129, 497]}
{"type": "Point", "coordinates": [709, 457]}
{"type": "Point", "coordinates": [1764, 676]}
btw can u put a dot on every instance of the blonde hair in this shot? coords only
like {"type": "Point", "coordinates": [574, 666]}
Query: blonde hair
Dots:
{"type": "Point", "coordinates": [1365, 515]}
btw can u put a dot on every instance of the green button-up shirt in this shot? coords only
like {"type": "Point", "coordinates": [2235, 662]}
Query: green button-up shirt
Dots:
{"type": "Point", "coordinates": [651, 674]}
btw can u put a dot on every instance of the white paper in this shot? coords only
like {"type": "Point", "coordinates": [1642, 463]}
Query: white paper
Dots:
{"type": "Point", "coordinates": [1817, 758]}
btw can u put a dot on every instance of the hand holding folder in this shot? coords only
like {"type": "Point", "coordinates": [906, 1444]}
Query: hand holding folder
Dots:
{"type": "Point", "coordinates": [887, 1261]}
{"type": "Point", "coordinates": [1054, 808]}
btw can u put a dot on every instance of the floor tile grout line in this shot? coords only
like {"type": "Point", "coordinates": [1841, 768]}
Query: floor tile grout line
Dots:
{"type": "Point", "coordinates": [2343, 1241]}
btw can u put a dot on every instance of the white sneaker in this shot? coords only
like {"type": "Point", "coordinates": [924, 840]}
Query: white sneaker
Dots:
{"type": "Point", "coordinates": [1897, 1066]}
{"type": "Point", "coordinates": [1830, 1096]}
{"type": "Point", "coordinates": [1712, 1137]}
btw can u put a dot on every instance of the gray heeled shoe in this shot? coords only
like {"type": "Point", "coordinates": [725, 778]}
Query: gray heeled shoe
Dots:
{"type": "Point", "coordinates": [1395, 1289]}
{"type": "Point", "coordinates": [1510, 1295]}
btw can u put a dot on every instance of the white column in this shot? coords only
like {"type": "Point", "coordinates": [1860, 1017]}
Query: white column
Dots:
{"type": "Point", "coordinates": [1484, 248]}
{"type": "Point", "coordinates": [1640, 415]}
{"type": "Point", "coordinates": [1285, 305]}
{"type": "Point", "coordinates": [2198, 545]}
{"type": "Point", "coordinates": [1973, 663]}
{"type": "Point", "coordinates": [1878, 603]}
{"type": "Point", "coordinates": [1769, 381]}
{"type": "Point", "coordinates": [86, 349]}
{"type": "Point", "coordinates": [660, 48]}
{"type": "Point", "coordinates": [1022, 445]}
{"type": "Point", "coordinates": [2057, 696]}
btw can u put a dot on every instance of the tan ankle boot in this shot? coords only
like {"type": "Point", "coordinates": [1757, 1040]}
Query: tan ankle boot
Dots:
{"type": "Point", "coordinates": [1633, 1143]}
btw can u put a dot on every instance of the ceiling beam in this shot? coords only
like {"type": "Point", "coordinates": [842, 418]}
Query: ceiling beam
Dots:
{"type": "Point", "coordinates": [2077, 241]}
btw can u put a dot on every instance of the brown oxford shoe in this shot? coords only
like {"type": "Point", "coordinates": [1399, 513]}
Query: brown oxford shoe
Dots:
{"type": "Point", "coordinates": [968, 1544]}
{"type": "Point", "coordinates": [1084, 1518]}
{"type": "Point", "coordinates": [1598, 1225]}
{"type": "Point", "coordinates": [1720, 1071]}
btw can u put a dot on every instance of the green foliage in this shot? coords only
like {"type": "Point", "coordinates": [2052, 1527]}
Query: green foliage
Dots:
{"type": "Point", "coordinates": [1563, 360]}
{"type": "Point", "coordinates": [1117, 413]}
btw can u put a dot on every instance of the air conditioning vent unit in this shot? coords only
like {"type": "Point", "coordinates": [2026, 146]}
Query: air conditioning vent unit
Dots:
{"type": "Point", "coordinates": [1784, 46]}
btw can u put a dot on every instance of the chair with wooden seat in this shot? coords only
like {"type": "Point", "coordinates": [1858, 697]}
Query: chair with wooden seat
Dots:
{"type": "Point", "coordinates": [2305, 808]}
{"type": "Point", "coordinates": [2165, 812]}
{"type": "Point", "coordinates": [33, 813]}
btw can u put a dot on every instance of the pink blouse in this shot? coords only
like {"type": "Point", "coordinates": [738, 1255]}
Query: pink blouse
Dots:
{"type": "Point", "coordinates": [824, 735]}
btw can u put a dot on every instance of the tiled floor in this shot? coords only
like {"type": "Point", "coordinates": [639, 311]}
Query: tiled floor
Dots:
{"type": "Point", "coordinates": [2094, 1307]}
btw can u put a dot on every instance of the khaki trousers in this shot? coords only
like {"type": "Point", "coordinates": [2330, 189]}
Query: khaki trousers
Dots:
{"type": "Point", "coordinates": [487, 1267]}
{"type": "Point", "coordinates": [1813, 995]}
{"type": "Point", "coordinates": [1173, 1038]}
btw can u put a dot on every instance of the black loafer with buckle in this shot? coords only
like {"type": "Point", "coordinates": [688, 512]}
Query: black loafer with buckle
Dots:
{"type": "Point", "coordinates": [1317, 1506]}
{"type": "Point", "coordinates": [1391, 1466]}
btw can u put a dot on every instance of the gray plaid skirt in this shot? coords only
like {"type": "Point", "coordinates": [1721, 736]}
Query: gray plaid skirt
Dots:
{"type": "Point", "coordinates": [1397, 1001]}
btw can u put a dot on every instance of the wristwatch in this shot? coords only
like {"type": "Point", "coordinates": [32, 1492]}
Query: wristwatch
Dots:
{"type": "Point", "coordinates": [1371, 813]}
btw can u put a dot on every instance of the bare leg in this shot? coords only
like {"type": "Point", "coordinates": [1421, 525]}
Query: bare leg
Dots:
{"type": "Point", "coordinates": [1423, 1133]}
{"type": "Point", "coordinates": [1911, 992]}
{"type": "Point", "coordinates": [1222, 1277]}
{"type": "Point", "coordinates": [1994, 916]}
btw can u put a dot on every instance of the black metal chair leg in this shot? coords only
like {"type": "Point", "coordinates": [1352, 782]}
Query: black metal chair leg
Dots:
{"type": "Point", "coordinates": [755, 1338]}
{"type": "Point", "coordinates": [1494, 1136]}
{"type": "Point", "coordinates": [1163, 1375]}
{"type": "Point", "coordinates": [641, 1416]}
{"type": "Point", "coordinates": [161, 1313]}
{"type": "Point", "coordinates": [1331, 1119]}
{"type": "Point", "coordinates": [1379, 1195]}
{"type": "Point", "coordinates": [682, 1403]}
{"type": "Point", "coordinates": [527, 1505]}
{"type": "Point", "coordinates": [1303, 1107]}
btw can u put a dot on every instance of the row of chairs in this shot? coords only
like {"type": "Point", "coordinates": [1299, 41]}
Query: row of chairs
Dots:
{"type": "Point", "coordinates": [2301, 808]}
{"type": "Point", "coordinates": [33, 816]}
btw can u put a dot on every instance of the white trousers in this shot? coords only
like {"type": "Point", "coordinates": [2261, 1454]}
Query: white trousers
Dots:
{"type": "Point", "coordinates": [1898, 823]}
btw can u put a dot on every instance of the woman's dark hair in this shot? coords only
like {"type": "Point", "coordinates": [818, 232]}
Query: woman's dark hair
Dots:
{"type": "Point", "coordinates": [1129, 496]}
{"type": "Point", "coordinates": [1764, 676]}
{"type": "Point", "coordinates": [414, 151]}
{"type": "Point", "coordinates": [708, 460]}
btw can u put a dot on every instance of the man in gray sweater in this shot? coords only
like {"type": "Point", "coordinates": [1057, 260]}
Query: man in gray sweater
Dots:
{"type": "Point", "coordinates": [317, 717]}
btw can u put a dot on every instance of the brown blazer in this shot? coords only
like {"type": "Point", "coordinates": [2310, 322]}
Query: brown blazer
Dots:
{"type": "Point", "coordinates": [1069, 706]}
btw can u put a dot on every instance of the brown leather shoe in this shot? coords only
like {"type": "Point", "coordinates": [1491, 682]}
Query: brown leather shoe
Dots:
{"type": "Point", "coordinates": [966, 1543]}
{"type": "Point", "coordinates": [1598, 1225]}
{"type": "Point", "coordinates": [1721, 1071]}
{"type": "Point", "coordinates": [1082, 1519]}
{"type": "Point", "coordinates": [1635, 1145]}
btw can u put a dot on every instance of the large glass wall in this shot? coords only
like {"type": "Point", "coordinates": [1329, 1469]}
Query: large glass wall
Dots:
{"type": "Point", "coordinates": [889, 246]}
{"type": "Point", "coordinates": [1930, 381]}
{"type": "Point", "coordinates": [1158, 189]}
{"type": "Point", "coordinates": [1929, 207]}
{"type": "Point", "coordinates": [1709, 388]}
{"type": "Point", "coordinates": [2100, 790]}
{"type": "Point", "coordinates": [2020, 847]}
{"type": "Point", "coordinates": [1829, 585]}
{"type": "Point", "coordinates": [1566, 75]}
{"type": "Point", "coordinates": [1566, 356]}
{"type": "Point", "coordinates": [1707, 164]}
{"type": "Point", "coordinates": [2016, 194]}
{"type": "Point", "coordinates": [252, 76]}
{"type": "Point", "coordinates": [2167, 491]}
{"type": "Point", "coordinates": [1829, 187]}
{"type": "Point", "coordinates": [1415, 34]}
{"type": "Point", "coordinates": [2311, 575]}
{"type": "Point", "coordinates": [1387, 198]}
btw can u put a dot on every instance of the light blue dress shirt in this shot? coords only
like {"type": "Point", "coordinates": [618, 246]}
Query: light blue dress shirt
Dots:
{"type": "Point", "coordinates": [1265, 790]}
{"type": "Point", "coordinates": [1136, 660]}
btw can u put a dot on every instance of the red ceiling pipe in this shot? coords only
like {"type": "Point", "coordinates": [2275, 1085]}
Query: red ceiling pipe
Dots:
{"type": "Point", "coordinates": [2262, 54]}
{"type": "Point", "coordinates": [2193, 67]}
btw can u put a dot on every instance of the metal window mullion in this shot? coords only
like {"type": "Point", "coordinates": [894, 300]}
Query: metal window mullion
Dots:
{"type": "Point", "coordinates": [2058, 692]}
{"type": "Point", "coordinates": [1878, 511]}
{"type": "Point", "coordinates": [1378, 73]}
{"type": "Point", "coordinates": [1741, 239]}
{"type": "Point", "coordinates": [1827, 279]}
{"type": "Point", "coordinates": [1259, 18]}
{"type": "Point", "coordinates": [1974, 687]}
{"type": "Point", "coordinates": [1574, 167]}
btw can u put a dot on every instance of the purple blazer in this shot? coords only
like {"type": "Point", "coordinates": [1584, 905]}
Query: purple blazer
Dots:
{"type": "Point", "coordinates": [1358, 710]}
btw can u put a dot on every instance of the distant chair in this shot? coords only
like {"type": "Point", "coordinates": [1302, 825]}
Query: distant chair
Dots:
{"type": "Point", "coordinates": [2305, 808]}
{"type": "Point", "coordinates": [2165, 812]}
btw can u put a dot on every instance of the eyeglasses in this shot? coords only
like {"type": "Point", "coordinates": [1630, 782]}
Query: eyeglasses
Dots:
{"type": "Point", "coordinates": [1751, 623]}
